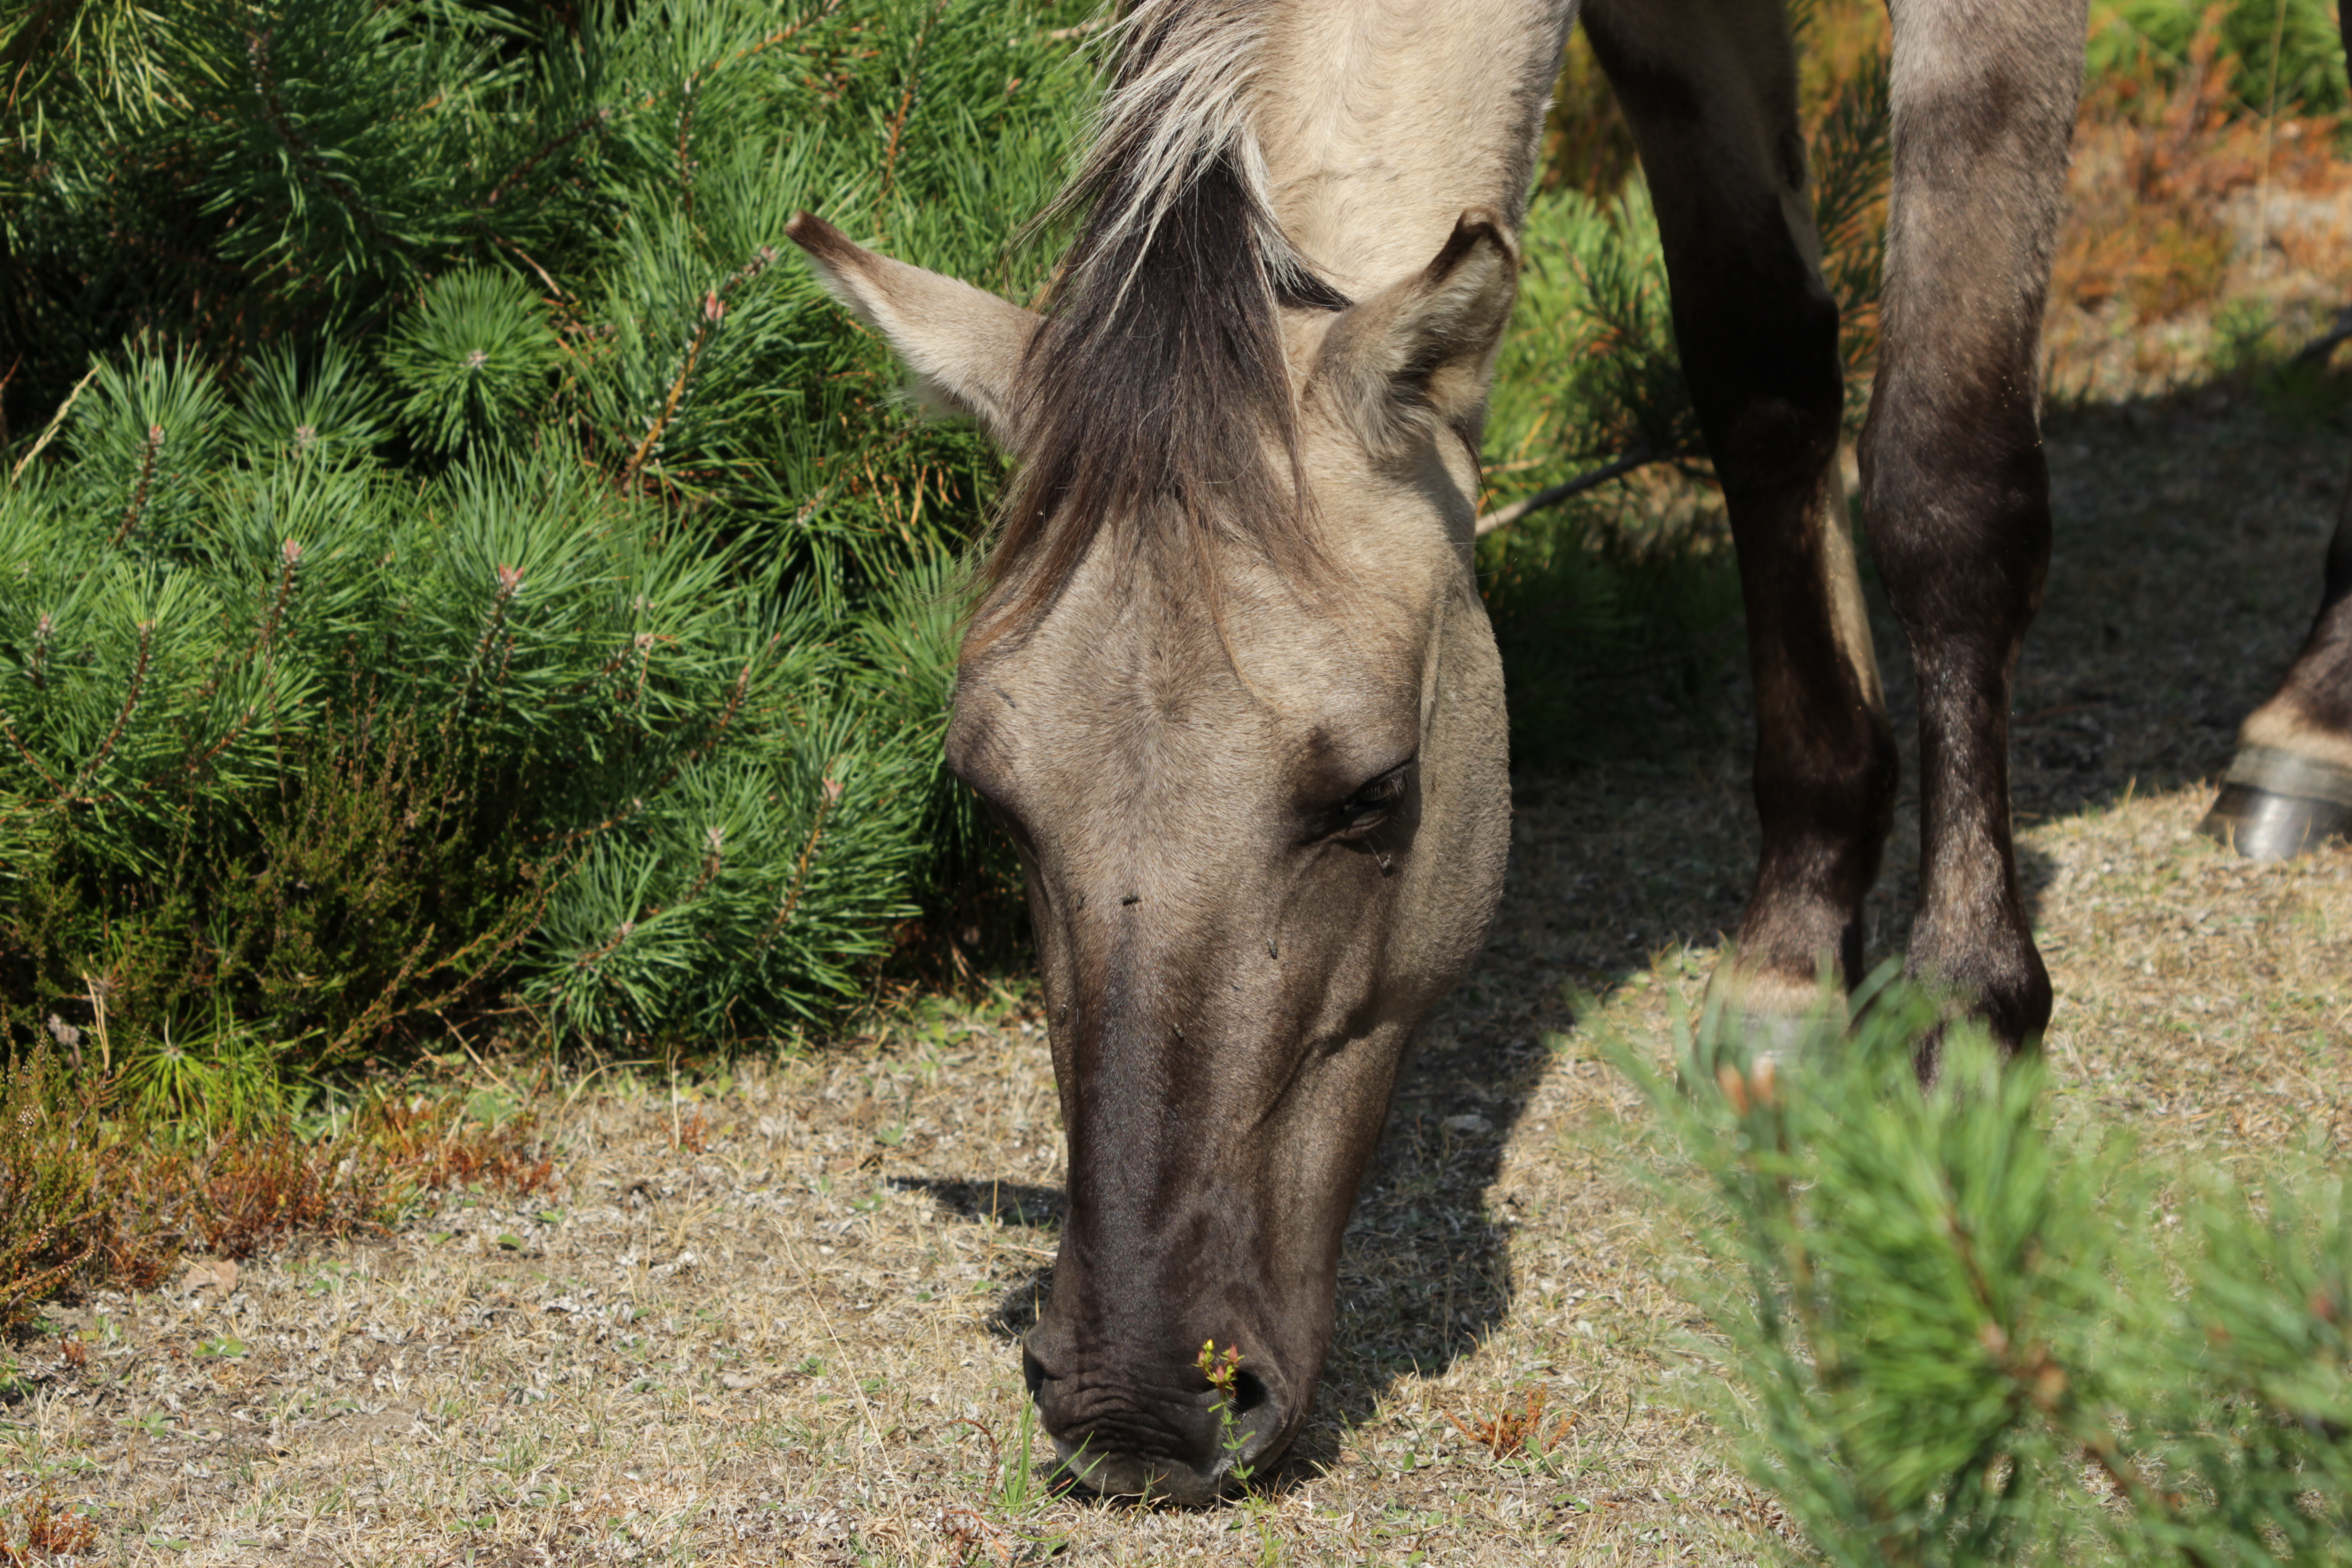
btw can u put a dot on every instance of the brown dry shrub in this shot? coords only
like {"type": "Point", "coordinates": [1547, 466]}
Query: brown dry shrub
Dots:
{"type": "Point", "coordinates": [258, 1186]}
{"type": "Point", "coordinates": [61, 1224]}
{"type": "Point", "coordinates": [89, 1202]}
{"type": "Point", "coordinates": [254, 1190]}
{"type": "Point", "coordinates": [2152, 167]}
{"type": "Point", "coordinates": [430, 1141]}
{"type": "Point", "coordinates": [1515, 1431]}
{"type": "Point", "coordinates": [51, 1530]}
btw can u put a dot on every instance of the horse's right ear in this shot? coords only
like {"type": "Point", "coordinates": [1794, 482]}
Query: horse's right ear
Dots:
{"type": "Point", "coordinates": [965, 344]}
{"type": "Point", "coordinates": [1424, 346]}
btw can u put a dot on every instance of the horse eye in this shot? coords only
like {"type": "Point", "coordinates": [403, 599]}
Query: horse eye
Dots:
{"type": "Point", "coordinates": [1369, 807]}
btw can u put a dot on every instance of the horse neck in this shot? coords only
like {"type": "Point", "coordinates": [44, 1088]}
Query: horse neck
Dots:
{"type": "Point", "coordinates": [1381, 121]}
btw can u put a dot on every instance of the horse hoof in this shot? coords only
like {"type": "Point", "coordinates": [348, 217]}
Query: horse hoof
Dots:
{"type": "Point", "coordinates": [1751, 1019]}
{"type": "Point", "coordinates": [2274, 805]}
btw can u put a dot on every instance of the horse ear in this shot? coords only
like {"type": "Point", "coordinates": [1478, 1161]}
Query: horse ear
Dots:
{"type": "Point", "coordinates": [965, 344]}
{"type": "Point", "coordinates": [1426, 346]}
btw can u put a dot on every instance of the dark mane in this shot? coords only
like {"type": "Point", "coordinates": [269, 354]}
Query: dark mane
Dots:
{"type": "Point", "coordinates": [1149, 397]}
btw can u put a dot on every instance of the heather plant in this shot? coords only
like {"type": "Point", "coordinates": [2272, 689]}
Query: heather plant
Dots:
{"type": "Point", "coordinates": [61, 1224]}
{"type": "Point", "coordinates": [1956, 1329]}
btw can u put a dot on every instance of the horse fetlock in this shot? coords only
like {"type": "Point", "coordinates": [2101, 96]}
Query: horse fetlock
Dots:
{"type": "Point", "coordinates": [1988, 972]}
{"type": "Point", "coordinates": [1804, 928]}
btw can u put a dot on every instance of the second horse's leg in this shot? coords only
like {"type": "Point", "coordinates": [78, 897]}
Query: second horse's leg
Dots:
{"type": "Point", "coordinates": [2290, 787]}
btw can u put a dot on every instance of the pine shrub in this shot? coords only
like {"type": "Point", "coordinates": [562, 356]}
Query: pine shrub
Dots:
{"type": "Point", "coordinates": [303, 750]}
{"type": "Point", "coordinates": [452, 562]}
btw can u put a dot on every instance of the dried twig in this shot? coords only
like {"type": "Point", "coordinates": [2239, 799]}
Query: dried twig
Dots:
{"type": "Point", "coordinates": [832, 794]}
{"type": "Point", "coordinates": [2319, 349]}
{"type": "Point", "coordinates": [1640, 454]}
{"type": "Point", "coordinates": [49, 431]}
{"type": "Point", "coordinates": [545, 149]}
{"type": "Point", "coordinates": [685, 146]}
{"type": "Point", "coordinates": [138, 497]}
{"type": "Point", "coordinates": [122, 719]}
{"type": "Point", "coordinates": [905, 102]}
{"type": "Point", "coordinates": [714, 310]}
{"type": "Point", "coordinates": [315, 172]}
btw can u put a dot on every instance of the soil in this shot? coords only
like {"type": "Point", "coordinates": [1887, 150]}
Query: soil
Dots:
{"type": "Point", "coordinates": [772, 1317]}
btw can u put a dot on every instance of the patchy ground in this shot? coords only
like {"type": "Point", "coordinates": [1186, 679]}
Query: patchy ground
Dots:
{"type": "Point", "coordinates": [772, 1318]}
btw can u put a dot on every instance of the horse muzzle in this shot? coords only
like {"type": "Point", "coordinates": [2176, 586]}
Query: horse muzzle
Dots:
{"type": "Point", "coordinates": [1159, 1433]}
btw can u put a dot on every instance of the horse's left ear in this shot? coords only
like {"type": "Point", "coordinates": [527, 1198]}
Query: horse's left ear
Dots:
{"type": "Point", "coordinates": [965, 344]}
{"type": "Point", "coordinates": [1426, 346]}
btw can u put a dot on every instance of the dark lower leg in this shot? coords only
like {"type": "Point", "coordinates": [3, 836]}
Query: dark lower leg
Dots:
{"type": "Point", "coordinates": [1825, 769]}
{"type": "Point", "coordinates": [1825, 762]}
{"type": "Point", "coordinates": [1967, 590]}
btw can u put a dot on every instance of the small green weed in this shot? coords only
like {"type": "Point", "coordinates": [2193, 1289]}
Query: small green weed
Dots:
{"type": "Point", "coordinates": [1016, 1490]}
{"type": "Point", "coordinates": [1002, 1529]}
{"type": "Point", "coordinates": [1223, 1369]}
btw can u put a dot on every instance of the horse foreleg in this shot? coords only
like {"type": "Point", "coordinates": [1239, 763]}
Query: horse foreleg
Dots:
{"type": "Point", "coordinates": [1709, 88]}
{"type": "Point", "coordinates": [1956, 493]}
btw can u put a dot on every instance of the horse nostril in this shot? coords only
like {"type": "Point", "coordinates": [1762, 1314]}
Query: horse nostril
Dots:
{"type": "Point", "coordinates": [1033, 1372]}
{"type": "Point", "coordinates": [1249, 1393]}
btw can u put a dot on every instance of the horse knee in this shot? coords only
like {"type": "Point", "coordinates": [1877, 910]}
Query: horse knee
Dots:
{"type": "Point", "coordinates": [1961, 535]}
{"type": "Point", "coordinates": [1770, 392]}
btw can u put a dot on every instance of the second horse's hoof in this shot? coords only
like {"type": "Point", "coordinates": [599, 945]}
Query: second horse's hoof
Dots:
{"type": "Point", "coordinates": [2274, 805]}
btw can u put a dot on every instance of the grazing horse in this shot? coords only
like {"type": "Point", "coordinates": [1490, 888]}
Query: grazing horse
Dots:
{"type": "Point", "coordinates": [1229, 685]}
{"type": "Point", "coordinates": [2290, 786]}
